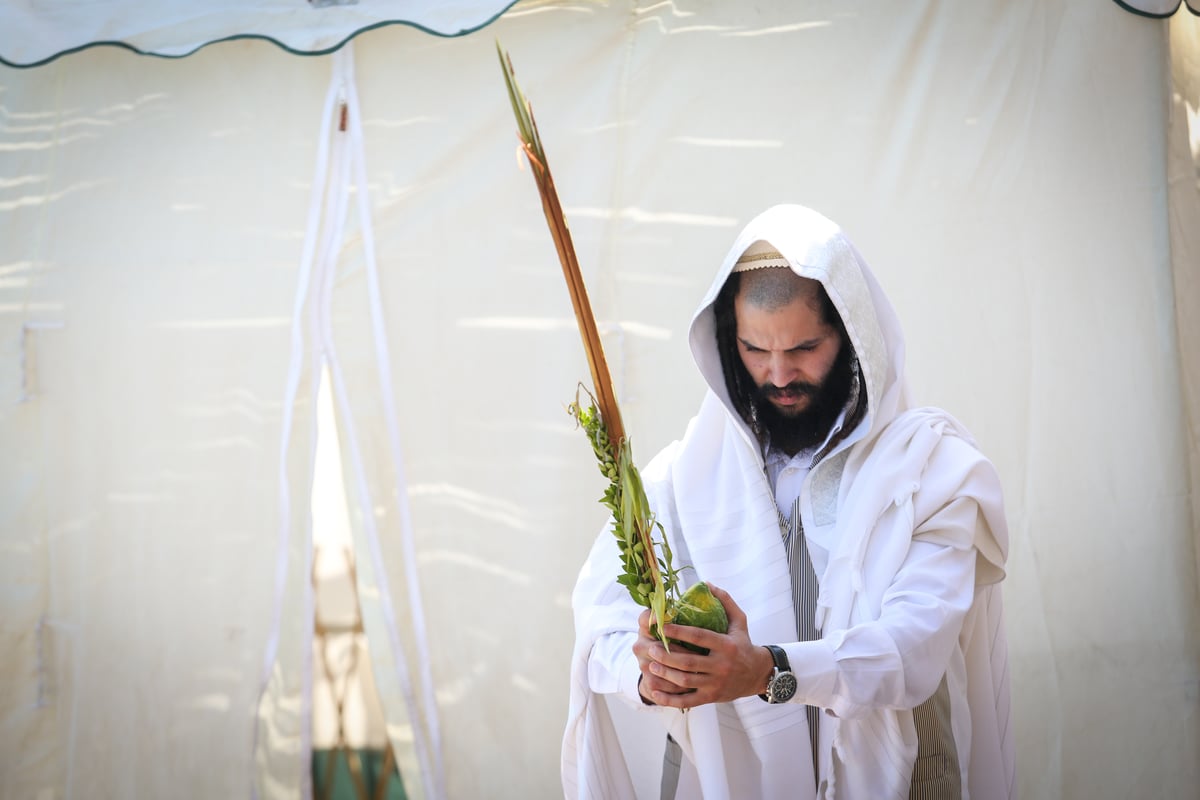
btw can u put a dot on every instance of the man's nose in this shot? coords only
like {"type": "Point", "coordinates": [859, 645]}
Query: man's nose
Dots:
{"type": "Point", "coordinates": [779, 370]}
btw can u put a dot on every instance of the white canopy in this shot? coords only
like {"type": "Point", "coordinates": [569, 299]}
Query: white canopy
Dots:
{"type": "Point", "coordinates": [1159, 8]}
{"type": "Point", "coordinates": [174, 28]}
{"type": "Point", "coordinates": [38, 33]}
{"type": "Point", "coordinates": [186, 243]}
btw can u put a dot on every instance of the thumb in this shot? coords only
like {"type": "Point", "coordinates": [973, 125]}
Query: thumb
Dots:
{"type": "Point", "coordinates": [737, 617]}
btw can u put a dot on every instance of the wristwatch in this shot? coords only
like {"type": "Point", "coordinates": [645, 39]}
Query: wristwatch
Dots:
{"type": "Point", "coordinates": [781, 686]}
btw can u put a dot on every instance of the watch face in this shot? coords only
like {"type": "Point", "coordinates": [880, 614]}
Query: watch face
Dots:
{"type": "Point", "coordinates": [783, 686]}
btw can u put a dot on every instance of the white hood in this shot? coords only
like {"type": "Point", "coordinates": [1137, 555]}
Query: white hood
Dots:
{"type": "Point", "coordinates": [817, 248]}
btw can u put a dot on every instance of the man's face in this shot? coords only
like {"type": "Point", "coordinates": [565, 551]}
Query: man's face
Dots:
{"type": "Point", "coordinates": [790, 354]}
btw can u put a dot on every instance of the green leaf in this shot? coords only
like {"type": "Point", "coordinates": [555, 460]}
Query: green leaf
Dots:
{"type": "Point", "coordinates": [658, 604]}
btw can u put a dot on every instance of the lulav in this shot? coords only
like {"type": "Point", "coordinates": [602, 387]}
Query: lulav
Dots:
{"type": "Point", "coordinates": [650, 577]}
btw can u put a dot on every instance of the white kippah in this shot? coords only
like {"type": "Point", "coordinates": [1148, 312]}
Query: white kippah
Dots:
{"type": "Point", "coordinates": [760, 255]}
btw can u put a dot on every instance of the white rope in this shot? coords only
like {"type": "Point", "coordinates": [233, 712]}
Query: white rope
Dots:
{"type": "Point", "coordinates": [329, 239]}
{"type": "Point", "coordinates": [426, 735]}
{"type": "Point", "coordinates": [292, 386]}
{"type": "Point", "coordinates": [436, 781]}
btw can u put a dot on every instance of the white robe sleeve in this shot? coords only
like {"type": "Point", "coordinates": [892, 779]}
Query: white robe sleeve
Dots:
{"type": "Point", "coordinates": [897, 660]}
{"type": "Point", "coordinates": [613, 667]}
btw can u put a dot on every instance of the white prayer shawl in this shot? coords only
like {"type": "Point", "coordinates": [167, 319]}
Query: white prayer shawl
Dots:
{"type": "Point", "coordinates": [874, 490]}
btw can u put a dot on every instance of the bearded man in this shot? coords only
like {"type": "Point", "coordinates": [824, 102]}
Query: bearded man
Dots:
{"type": "Point", "coordinates": [857, 544]}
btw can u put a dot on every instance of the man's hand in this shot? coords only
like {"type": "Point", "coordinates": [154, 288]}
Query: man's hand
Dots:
{"type": "Point", "coordinates": [734, 667]}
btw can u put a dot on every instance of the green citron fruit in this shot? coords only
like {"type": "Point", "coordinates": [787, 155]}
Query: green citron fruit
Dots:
{"type": "Point", "coordinates": [699, 608]}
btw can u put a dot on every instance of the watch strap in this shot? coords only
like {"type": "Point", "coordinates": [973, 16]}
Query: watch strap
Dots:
{"type": "Point", "coordinates": [779, 656]}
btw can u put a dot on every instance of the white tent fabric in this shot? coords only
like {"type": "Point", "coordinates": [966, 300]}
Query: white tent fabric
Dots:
{"type": "Point", "coordinates": [1018, 174]}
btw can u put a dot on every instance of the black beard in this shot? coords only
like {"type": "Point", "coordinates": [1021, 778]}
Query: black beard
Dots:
{"type": "Point", "coordinates": [809, 427]}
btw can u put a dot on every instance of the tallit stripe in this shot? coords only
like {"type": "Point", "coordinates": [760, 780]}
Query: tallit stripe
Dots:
{"type": "Point", "coordinates": [936, 774]}
{"type": "Point", "coordinates": [672, 763]}
{"type": "Point", "coordinates": [804, 601]}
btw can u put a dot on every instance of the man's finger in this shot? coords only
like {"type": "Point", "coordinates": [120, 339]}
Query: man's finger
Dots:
{"type": "Point", "coordinates": [660, 683]}
{"type": "Point", "coordinates": [700, 637]}
{"type": "Point", "coordinates": [677, 677]}
{"type": "Point", "coordinates": [678, 657]}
